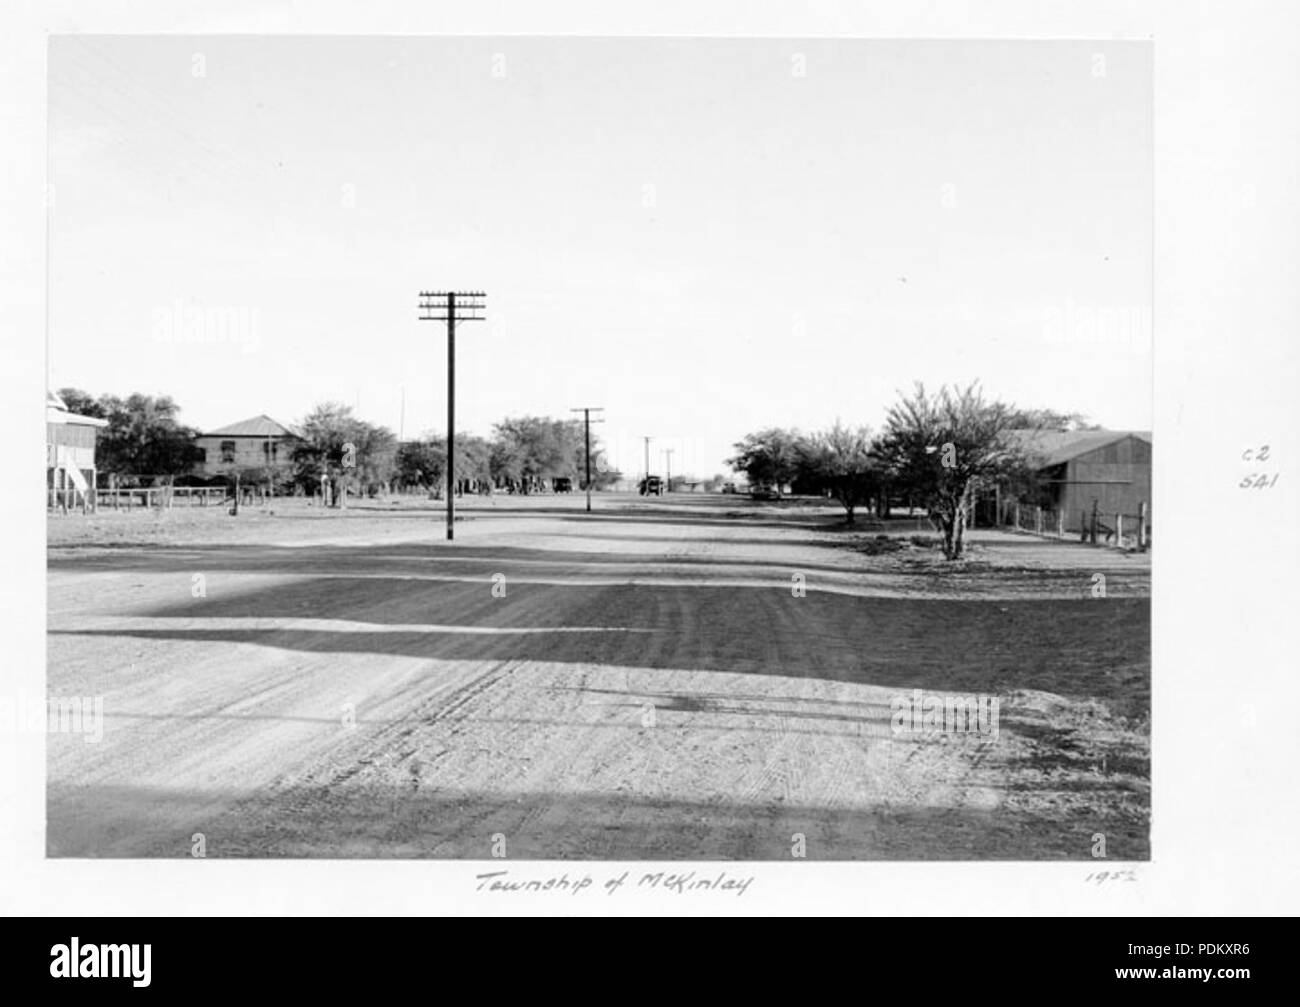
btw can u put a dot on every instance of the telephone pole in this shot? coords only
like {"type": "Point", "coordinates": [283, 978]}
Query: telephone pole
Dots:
{"type": "Point", "coordinates": [451, 307]}
{"type": "Point", "coordinates": [647, 458]}
{"type": "Point", "coordinates": [668, 470]}
{"type": "Point", "coordinates": [586, 426]}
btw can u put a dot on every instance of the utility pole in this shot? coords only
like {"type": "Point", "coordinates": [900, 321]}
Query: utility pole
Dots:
{"type": "Point", "coordinates": [647, 458]}
{"type": "Point", "coordinates": [586, 425]}
{"type": "Point", "coordinates": [668, 470]}
{"type": "Point", "coordinates": [451, 307]}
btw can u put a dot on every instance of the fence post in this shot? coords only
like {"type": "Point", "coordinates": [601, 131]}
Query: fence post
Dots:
{"type": "Point", "coordinates": [1017, 516]}
{"type": "Point", "coordinates": [1060, 524]}
{"type": "Point", "coordinates": [1142, 526]}
{"type": "Point", "coordinates": [1119, 530]}
{"type": "Point", "coordinates": [1038, 521]}
{"type": "Point", "coordinates": [1092, 537]}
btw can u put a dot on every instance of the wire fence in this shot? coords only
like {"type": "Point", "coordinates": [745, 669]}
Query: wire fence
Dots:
{"type": "Point", "coordinates": [1092, 525]}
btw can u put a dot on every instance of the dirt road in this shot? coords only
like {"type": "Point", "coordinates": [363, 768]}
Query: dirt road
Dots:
{"type": "Point", "coordinates": [664, 680]}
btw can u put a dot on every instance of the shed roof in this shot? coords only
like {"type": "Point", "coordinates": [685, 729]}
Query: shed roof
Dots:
{"type": "Point", "coordinates": [1052, 447]}
{"type": "Point", "coordinates": [257, 426]}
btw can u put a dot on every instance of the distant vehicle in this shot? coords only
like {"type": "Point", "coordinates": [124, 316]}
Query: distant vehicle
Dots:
{"type": "Point", "coordinates": [763, 492]}
{"type": "Point", "coordinates": [652, 485]}
{"type": "Point", "coordinates": [728, 487]}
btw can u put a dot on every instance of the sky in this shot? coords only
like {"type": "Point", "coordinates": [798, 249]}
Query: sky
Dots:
{"type": "Point", "coordinates": [704, 236]}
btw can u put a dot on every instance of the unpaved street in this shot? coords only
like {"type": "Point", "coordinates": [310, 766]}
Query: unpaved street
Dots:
{"type": "Point", "coordinates": [679, 679]}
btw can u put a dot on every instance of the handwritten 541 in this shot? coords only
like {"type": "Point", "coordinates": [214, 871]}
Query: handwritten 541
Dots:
{"type": "Point", "coordinates": [1258, 480]}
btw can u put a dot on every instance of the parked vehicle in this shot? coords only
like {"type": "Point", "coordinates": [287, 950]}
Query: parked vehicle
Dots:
{"type": "Point", "coordinates": [651, 485]}
{"type": "Point", "coordinates": [764, 492]}
{"type": "Point", "coordinates": [728, 487]}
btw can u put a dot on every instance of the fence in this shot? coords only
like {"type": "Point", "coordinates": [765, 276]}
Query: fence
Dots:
{"type": "Point", "coordinates": [143, 497]}
{"type": "Point", "coordinates": [1124, 531]}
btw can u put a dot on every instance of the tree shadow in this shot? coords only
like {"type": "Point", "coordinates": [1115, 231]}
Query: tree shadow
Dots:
{"type": "Point", "coordinates": [459, 560]}
{"type": "Point", "coordinates": [1073, 647]}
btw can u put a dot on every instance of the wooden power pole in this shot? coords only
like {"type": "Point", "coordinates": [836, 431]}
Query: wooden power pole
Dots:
{"type": "Point", "coordinates": [451, 307]}
{"type": "Point", "coordinates": [586, 426]}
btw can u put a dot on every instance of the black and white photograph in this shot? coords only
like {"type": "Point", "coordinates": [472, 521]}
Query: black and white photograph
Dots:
{"type": "Point", "coordinates": [798, 501]}
{"type": "Point", "coordinates": [648, 460]}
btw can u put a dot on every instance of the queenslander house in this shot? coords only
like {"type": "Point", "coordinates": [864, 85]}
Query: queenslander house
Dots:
{"type": "Point", "coordinates": [69, 454]}
{"type": "Point", "coordinates": [258, 444]}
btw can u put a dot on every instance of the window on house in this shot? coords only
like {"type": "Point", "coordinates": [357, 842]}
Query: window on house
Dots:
{"type": "Point", "coordinates": [228, 452]}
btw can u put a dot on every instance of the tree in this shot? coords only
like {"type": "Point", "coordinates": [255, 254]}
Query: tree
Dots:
{"type": "Point", "coordinates": [376, 457]}
{"type": "Point", "coordinates": [945, 446]}
{"type": "Point", "coordinates": [81, 403]}
{"type": "Point", "coordinates": [143, 437]}
{"type": "Point", "coordinates": [768, 456]}
{"type": "Point", "coordinates": [343, 450]}
{"type": "Point", "coordinates": [421, 463]}
{"type": "Point", "coordinates": [1049, 419]}
{"type": "Point", "coordinates": [473, 459]}
{"type": "Point", "coordinates": [841, 460]}
{"type": "Point", "coordinates": [527, 450]}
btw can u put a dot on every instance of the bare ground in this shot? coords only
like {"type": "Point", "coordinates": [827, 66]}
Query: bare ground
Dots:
{"type": "Point", "coordinates": [692, 678]}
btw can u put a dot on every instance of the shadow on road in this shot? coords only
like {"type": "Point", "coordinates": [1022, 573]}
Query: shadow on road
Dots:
{"type": "Point", "coordinates": [369, 822]}
{"type": "Point", "coordinates": [1078, 648]}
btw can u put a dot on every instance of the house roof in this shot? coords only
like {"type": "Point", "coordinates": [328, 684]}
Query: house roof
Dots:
{"type": "Point", "coordinates": [1052, 447]}
{"type": "Point", "coordinates": [257, 426]}
{"type": "Point", "coordinates": [56, 411]}
{"type": "Point", "coordinates": [53, 415]}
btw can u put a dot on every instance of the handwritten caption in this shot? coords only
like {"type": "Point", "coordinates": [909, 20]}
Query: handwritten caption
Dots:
{"type": "Point", "coordinates": [691, 882]}
{"type": "Point", "coordinates": [1100, 877]}
{"type": "Point", "coordinates": [1258, 480]}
